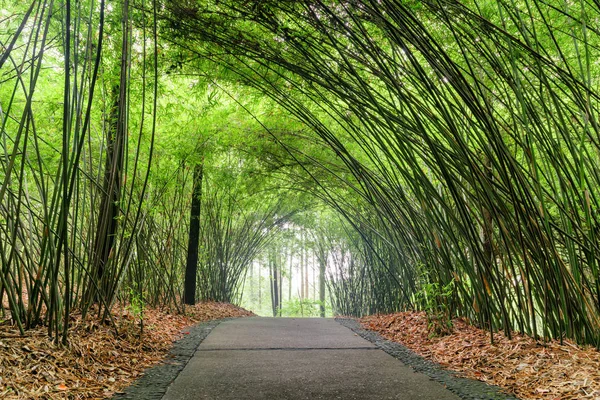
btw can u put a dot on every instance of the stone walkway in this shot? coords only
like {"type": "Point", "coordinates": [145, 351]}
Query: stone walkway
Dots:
{"type": "Point", "coordinates": [289, 358]}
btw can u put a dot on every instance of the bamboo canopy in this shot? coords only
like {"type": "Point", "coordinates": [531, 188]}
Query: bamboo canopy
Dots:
{"type": "Point", "coordinates": [468, 132]}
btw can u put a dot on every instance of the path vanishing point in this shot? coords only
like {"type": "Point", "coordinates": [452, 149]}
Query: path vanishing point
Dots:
{"type": "Point", "coordinates": [296, 358]}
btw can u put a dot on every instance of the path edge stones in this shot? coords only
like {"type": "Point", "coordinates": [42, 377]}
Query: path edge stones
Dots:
{"type": "Point", "coordinates": [156, 380]}
{"type": "Point", "coordinates": [464, 388]}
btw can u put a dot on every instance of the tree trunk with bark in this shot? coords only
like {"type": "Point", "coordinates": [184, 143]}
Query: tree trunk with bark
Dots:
{"type": "Point", "coordinates": [191, 266]}
{"type": "Point", "coordinates": [275, 303]}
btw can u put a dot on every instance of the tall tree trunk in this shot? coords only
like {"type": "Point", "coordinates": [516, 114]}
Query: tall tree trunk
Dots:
{"type": "Point", "coordinates": [107, 224]}
{"type": "Point", "coordinates": [108, 216]}
{"type": "Point", "coordinates": [274, 283]}
{"type": "Point", "coordinates": [322, 265]}
{"type": "Point", "coordinates": [191, 266]}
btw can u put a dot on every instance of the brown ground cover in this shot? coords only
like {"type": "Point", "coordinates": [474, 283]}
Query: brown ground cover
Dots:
{"type": "Point", "coordinates": [522, 366]}
{"type": "Point", "coordinates": [97, 362]}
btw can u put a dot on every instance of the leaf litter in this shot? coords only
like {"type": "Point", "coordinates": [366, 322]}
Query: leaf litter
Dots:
{"type": "Point", "coordinates": [97, 362]}
{"type": "Point", "coordinates": [522, 366]}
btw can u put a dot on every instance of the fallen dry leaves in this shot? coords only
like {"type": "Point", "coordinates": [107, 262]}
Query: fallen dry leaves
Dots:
{"type": "Point", "coordinates": [97, 362]}
{"type": "Point", "coordinates": [522, 366]}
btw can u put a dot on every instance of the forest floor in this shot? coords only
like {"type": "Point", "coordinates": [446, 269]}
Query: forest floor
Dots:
{"type": "Point", "coordinates": [98, 362]}
{"type": "Point", "coordinates": [524, 367]}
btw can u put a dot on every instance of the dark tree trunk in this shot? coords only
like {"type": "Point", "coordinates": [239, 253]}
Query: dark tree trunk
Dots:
{"type": "Point", "coordinates": [191, 267]}
{"type": "Point", "coordinates": [108, 216]}
{"type": "Point", "coordinates": [274, 283]}
{"type": "Point", "coordinates": [107, 225]}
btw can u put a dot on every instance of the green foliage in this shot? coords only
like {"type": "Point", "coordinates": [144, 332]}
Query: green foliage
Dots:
{"type": "Point", "coordinates": [471, 129]}
{"type": "Point", "coordinates": [435, 299]}
{"type": "Point", "coordinates": [462, 136]}
{"type": "Point", "coordinates": [136, 304]}
{"type": "Point", "coordinates": [297, 307]}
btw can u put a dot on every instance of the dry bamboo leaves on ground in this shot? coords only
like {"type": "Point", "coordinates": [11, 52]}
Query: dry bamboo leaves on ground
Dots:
{"type": "Point", "coordinates": [522, 366]}
{"type": "Point", "coordinates": [96, 363]}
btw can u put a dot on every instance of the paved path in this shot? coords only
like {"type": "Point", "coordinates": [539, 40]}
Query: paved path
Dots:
{"type": "Point", "coordinates": [289, 358]}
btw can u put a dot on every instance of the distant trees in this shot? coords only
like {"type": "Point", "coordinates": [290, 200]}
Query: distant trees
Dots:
{"type": "Point", "coordinates": [282, 266]}
{"type": "Point", "coordinates": [276, 279]}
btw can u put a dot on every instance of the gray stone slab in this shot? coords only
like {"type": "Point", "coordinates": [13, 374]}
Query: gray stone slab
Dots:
{"type": "Point", "coordinates": [301, 374]}
{"type": "Point", "coordinates": [277, 333]}
{"type": "Point", "coordinates": [465, 388]}
{"type": "Point", "coordinates": [268, 358]}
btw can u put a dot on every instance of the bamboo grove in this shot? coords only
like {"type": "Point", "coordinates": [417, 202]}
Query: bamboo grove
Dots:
{"type": "Point", "coordinates": [462, 149]}
{"type": "Point", "coordinates": [96, 183]}
{"type": "Point", "coordinates": [478, 128]}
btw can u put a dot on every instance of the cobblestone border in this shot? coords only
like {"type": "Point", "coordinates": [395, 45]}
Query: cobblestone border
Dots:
{"type": "Point", "coordinates": [155, 381]}
{"type": "Point", "coordinates": [463, 387]}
